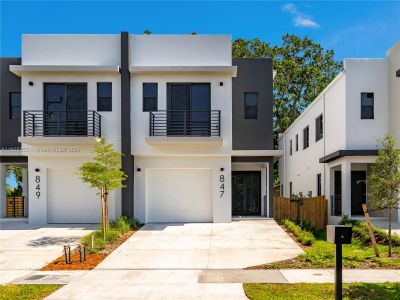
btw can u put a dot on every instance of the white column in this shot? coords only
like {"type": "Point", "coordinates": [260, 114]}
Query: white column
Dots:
{"type": "Point", "coordinates": [25, 191]}
{"type": "Point", "coordinates": [346, 188]}
{"type": "Point", "coordinates": [3, 177]}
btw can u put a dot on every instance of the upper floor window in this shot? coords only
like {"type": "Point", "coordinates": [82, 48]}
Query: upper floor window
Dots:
{"type": "Point", "coordinates": [104, 96]}
{"type": "Point", "coordinates": [319, 185]}
{"type": "Point", "coordinates": [306, 137]}
{"type": "Point", "coordinates": [291, 148]}
{"type": "Point", "coordinates": [297, 142]}
{"type": "Point", "coordinates": [367, 105]}
{"type": "Point", "coordinates": [251, 105]}
{"type": "Point", "coordinates": [319, 128]}
{"type": "Point", "coordinates": [15, 106]}
{"type": "Point", "coordinates": [150, 95]}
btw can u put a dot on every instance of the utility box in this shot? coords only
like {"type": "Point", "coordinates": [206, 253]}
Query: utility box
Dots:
{"type": "Point", "coordinates": [339, 234]}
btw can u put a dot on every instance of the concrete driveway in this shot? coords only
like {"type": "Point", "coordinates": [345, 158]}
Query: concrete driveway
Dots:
{"type": "Point", "coordinates": [171, 261]}
{"type": "Point", "coordinates": [24, 248]}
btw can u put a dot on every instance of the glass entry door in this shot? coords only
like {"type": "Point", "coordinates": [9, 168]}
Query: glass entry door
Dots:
{"type": "Point", "coordinates": [246, 193]}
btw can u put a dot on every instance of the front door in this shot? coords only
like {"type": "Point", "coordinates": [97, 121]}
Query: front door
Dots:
{"type": "Point", "coordinates": [246, 193]}
{"type": "Point", "coordinates": [65, 109]}
{"type": "Point", "coordinates": [358, 192]}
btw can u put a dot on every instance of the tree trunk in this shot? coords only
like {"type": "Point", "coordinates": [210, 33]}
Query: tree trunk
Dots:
{"type": "Point", "coordinates": [103, 223]}
{"type": "Point", "coordinates": [390, 231]}
{"type": "Point", "coordinates": [106, 209]}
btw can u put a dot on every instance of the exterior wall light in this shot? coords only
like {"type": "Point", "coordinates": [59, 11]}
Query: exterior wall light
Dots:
{"type": "Point", "coordinates": [222, 169]}
{"type": "Point", "coordinates": [139, 169]}
{"type": "Point", "coordinates": [37, 170]}
{"type": "Point", "coordinates": [30, 83]}
{"type": "Point", "coordinates": [221, 83]}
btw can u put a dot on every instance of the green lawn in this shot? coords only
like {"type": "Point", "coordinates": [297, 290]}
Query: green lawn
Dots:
{"type": "Point", "coordinates": [321, 254]}
{"type": "Point", "coordinates": [324, 291]}
{"type": "Point", "coordinates": [26, 291]}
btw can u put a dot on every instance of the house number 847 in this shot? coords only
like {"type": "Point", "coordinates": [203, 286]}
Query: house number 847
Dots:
{"type": "Point", "coordinates": [222, 186]}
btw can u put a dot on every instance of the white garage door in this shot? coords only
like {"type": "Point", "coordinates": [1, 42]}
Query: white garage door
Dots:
{"type": "Point", "coordinates": [69, 200]}
{"type": "Point", "coordinates": [179, 195]}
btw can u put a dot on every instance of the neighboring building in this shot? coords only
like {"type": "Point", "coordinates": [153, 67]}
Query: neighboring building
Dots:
{"type": "Point", "coordinates": [329, 148]}
{"type": "Point", "coordinates": [194, 127]}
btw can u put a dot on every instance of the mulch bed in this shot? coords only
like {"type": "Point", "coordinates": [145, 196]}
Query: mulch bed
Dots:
{"type": "Point", "coordinates": [92, 259]}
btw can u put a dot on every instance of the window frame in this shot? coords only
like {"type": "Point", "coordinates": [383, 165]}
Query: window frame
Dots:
{"type": "Point", "coordinates": [246, 116]}
{"type": "Point", "coordinates": [319, 132]}
{"type": "Point", "coordinates": [103, 97]}
{"type": "Point", "coordinates": [297, 142]}
{"type": "Point", "coordinates": [290, 189]}
{"type": "Point", "coordinates": [319, 184]}
{"type": "Point", "coordinates": [290, 147]}
{"type": "Point", "coordinates": [306, 137]}
{"type": "Point", "coordinates": [148, 97]}
{"type": "Point", "coordinates": [10, 106]}
{"type": "Point", "coordinates": [365, 106]}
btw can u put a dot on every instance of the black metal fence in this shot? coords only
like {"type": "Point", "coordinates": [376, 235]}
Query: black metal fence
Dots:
{"type": "Point", "coordinates": [62, 123]}
{"type": "Point", "coordinates": [336, 205]}
{"type": "Point", "coordinates": [185, 123]}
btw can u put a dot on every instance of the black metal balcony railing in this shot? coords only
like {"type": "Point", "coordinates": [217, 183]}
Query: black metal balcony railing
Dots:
{"type": "Point", "coordinates": [185, 123]}
{"type": "Point", "coordinates": [336, 205]}
{"type": "Point", "coordinates": [62, 123]}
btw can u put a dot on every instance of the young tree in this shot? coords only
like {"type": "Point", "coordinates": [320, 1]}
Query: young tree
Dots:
{"type": "Point", "coordinates": [104, 174]}
{"type": "Point", "coordinates": [15, 172]}
{"type": "Point", "coordinates": [384, 180]}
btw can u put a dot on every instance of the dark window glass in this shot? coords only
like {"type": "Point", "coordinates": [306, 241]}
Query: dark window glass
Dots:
{"type": "Point", "coordinates": [291, 149]}
{"type": "Point", "coordinates": [290, 189]}
{"type": "Point", "coordinates": [250, 105]}
{"type": "Point", "coordinates": [150, 94]}
{"type": "Point", "coordinates": [319, 187]}
{"type": "Point", "coordinates": [306, 137]}
{"type": "Point", "coordinates": [15, 106]}
{"type": "Point", "coordinates": [367, 105]}
{"type": "Point", "coordinates": [319, 128]}
{"type": "Point", "coordinates": [104, 96]}
{"type": "Point", "coordinates": [297, 142]}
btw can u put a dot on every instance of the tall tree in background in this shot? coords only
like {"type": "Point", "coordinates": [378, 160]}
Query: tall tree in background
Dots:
{"type": "Point", "coordinates": [303, 69]}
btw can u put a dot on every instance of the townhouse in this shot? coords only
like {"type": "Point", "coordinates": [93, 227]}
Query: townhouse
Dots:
{"type": "Point", "coordinates": [194, 126]}
{"type": "Point", "coordinates": [330, 147]}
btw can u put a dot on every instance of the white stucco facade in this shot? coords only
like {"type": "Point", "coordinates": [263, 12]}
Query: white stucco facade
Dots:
{"type": "Point", "coordinates": [175, 178]}
{"type": "Point", "coordinates": [349, 141]}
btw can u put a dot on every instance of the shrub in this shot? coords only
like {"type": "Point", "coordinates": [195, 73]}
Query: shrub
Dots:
{"type": "Point", "coordinates": [305, 237]}
{"type": "Point", "coordinates": [360, 233]}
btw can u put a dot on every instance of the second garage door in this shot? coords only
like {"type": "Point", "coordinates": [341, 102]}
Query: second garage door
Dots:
{"type": "Point", "coordinates": [179, 195]}
{"type": "Point", "coordinates": [69, 200]}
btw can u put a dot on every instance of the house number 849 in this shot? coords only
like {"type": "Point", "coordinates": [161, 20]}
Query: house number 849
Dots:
{"type": "Point", "coordinates": [37, 180]}
{"type": "Point", "coordinates": [222, 186]}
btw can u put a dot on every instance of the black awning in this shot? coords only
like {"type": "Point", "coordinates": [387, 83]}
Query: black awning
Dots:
{"type": "Point", "coordinates": [342, 153]}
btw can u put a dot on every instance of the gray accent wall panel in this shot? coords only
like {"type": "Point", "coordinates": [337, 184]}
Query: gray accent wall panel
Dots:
{"type": "Point", "coordinates": [253, 75]}
{"type": "Point", "coordinates": [127, 158]}
{"type": "Point", "coordinates": [10, 129]}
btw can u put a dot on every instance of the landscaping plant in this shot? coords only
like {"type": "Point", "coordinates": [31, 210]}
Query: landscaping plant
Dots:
{"type": "Point", "coordinates": [384, 181]}
{"type": "Point", "coordinates": [104, 174]}
{"type": "Point", "coordinates": [305, 237]}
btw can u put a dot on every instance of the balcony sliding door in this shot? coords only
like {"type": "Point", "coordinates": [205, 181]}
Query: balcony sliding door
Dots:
{"type": "Point", "coordinates": [189, 109]}
{"type": "Point", "coordinates": [65, 109]}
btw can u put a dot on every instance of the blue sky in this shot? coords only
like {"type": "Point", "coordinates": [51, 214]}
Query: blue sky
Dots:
{"type": "Point", "coordinates": [352, 29]}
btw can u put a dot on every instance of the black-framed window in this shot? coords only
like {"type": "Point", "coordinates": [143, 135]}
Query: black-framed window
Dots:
{"type": "Point", "coordinates": [290, 189]}
{"type": "Point", "coordinates": [250, 105]}
{"type": "Point", "coordinates": [150, 96]}
{"type": "Point", "coordinates": [319, 185]}
{"type": "Point", "coordinates": [367, 105]}
{"type": "Point", "coordinates": [104, 96]}
{"type": "Point", "coordinates": [306, 137]}
{"type": "Point", "coordinates": [291, 147]}
{"type": "Point", "coordinates": [15, 105]}
{"type": "Point", "coordinates": [319, 128]}
{"type": "Point", "coordinates": [297, 142]}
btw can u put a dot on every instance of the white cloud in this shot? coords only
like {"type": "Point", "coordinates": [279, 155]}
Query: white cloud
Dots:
{"type": "Point", "coordinates": [299, 19]}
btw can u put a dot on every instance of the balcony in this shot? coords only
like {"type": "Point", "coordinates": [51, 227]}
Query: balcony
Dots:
{"type": "Point", "coordinates": [71, 123]}
{"type": "Point", "coordinates": [185, 126]}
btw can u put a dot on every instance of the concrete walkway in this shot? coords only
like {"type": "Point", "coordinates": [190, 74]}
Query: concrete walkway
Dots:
{"type": "Point", "coordinates": [24, 248]}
